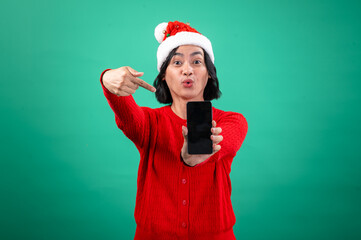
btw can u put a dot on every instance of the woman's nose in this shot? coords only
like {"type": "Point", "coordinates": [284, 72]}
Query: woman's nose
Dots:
{"type": "Point", "coordinates": [187, 69]}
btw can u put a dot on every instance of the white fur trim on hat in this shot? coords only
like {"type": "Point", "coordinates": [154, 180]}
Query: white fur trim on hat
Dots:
{"type": "Point", "coordinates": [181, 38]}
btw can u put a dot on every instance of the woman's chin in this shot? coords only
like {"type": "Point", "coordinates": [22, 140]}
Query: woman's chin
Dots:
{"type": "Point", "coordinates": [189, 96]}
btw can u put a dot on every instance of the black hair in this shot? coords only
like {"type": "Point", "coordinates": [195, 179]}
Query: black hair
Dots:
{"type": "Point", "coordinates": [211, 91]}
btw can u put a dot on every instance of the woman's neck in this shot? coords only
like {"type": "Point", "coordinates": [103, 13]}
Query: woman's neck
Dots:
{"type": "Point", "coordinates": [179, 106]}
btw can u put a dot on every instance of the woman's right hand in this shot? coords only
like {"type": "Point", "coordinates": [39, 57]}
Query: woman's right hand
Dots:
{"type": "Point", "coordinates": [124, 81]}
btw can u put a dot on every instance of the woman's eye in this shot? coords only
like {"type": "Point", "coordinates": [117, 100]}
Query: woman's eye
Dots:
{"type": "Point", "coordinates": [177, 62]}
{"type": "Point", "coordinates": [197, 61]}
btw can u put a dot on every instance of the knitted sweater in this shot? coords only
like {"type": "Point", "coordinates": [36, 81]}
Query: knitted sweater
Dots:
{"type": "Point", "coordinates": [174, 200]}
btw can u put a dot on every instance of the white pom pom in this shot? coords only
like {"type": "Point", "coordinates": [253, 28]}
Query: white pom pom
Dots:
{"type": "Point", "coordinates": [159, 31]}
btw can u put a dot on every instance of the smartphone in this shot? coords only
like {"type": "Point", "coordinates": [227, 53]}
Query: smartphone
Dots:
{"type": "Point", "coordinates": [199, 124]}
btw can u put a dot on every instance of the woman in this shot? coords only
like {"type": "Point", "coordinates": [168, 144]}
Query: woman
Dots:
{"type": "Point", "coordinates": [179, 196]}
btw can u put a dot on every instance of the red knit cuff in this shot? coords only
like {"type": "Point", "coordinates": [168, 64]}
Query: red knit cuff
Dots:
{"type": "Point", "coordinates": [214, 156]}
{"type": "Point", "coordinates": [106, 91]}
{"type": "Point", "coordinates": [204, 162]}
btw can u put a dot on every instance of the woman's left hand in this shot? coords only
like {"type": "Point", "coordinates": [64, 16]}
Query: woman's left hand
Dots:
{"type": "Point", "coordinates": [194, 159]}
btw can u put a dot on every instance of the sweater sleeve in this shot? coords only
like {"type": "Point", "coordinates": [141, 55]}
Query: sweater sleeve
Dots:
{"type": "Point", "coordinates": [129, 117]}
{"type": "Point", "coordinates": [234, 130]}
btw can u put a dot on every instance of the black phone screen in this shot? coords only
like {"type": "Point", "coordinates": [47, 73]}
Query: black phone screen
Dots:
{"type": "Point", "coordinates": [199, 124]}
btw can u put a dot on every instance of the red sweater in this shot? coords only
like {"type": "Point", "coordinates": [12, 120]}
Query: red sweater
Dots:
{"type": "Point", "coordinates": [174, 200]}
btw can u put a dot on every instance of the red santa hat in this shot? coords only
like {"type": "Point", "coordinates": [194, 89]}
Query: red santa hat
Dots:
{"type": "Point", "coordinates": [174, 34]}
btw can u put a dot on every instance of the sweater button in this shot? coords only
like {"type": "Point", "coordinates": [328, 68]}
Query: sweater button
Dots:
{"type": "Point", "coordinates": [184, 181]}
{"type": "Point", "coordinates": [184, 225]}
{"type": "Point", "coordinates": [184, 202]}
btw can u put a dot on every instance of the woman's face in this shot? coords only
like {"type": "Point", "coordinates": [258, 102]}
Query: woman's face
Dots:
{"type": "Point", "coordinates": [186, 74]}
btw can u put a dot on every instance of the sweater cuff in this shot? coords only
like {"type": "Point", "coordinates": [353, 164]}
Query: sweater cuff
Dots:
{"type": "Point", "coordinates": [204, 162]}
{"type": "Point", "coordinates": [106, 91]}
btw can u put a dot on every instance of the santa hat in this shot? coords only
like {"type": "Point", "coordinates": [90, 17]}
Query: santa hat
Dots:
{"type": "Point", "coordinates": [174, 34]}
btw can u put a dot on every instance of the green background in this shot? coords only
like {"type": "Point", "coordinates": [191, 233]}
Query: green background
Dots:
{"type": "Point", "coordinates": [292, 68]}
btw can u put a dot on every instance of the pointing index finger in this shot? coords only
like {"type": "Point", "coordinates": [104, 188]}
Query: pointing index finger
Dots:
{"type": "Point", "coordinates": [143, 84]}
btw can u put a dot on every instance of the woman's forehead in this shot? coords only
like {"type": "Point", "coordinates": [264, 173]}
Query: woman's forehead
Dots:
{"type": "Point", "coordinates": [189, 49]}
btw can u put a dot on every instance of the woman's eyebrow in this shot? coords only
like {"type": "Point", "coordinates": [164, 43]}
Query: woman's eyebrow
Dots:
{"type": "Point", "coordinates": [195, 53]}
